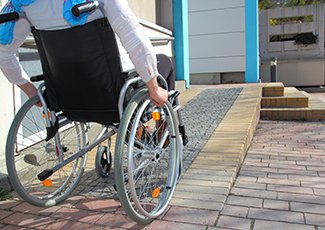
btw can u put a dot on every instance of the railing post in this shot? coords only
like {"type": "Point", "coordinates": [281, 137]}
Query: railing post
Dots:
{"type": "Point", "coordinates": [273, 67]}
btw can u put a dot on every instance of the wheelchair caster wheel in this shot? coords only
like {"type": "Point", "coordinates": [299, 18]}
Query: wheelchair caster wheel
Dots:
{"type": "Point", "coordinates": [103, 161]}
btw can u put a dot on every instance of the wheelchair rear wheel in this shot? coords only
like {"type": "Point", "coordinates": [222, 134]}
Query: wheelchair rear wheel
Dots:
{"type": "Point", "coordinates": [146, 158]}
{"type": "Point", "coordinates": [28, 154]}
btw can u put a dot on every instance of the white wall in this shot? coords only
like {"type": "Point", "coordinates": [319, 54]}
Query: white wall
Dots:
{"type": "Point", "coordinates": [6, 113]}
{"type": "Point", "coordinates": [6, 116]}
{"type": "Point", "coordinates": [217, 36]}
{"type": "Point", "coordinates": [145, 9]}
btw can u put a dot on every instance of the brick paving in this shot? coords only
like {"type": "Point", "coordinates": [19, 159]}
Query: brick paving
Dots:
{"type": "Point", "coordinates": [280, 185]}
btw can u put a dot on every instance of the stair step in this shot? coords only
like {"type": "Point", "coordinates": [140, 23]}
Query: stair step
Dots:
{"type": "Point", "coordinates": [292, 98]}
{"type": "Point", "coordinates": [273, 89]}
{"type": "Point", "coordinates": [315, 103]}
{"type": "Point", "coordinates": [314, 112]}
{"type": "Point", "coordinates": [305, 114]}
{"type": "Point", "coordinates": [288, 103]}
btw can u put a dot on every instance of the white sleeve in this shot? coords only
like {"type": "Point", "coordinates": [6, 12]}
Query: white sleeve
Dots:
{"type": "Point", "coordinates": [125, 24]}
{"type": "Point", "coordinates": [9, 63]}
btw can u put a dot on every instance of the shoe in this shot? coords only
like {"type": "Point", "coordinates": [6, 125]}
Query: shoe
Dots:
{"type": "Point", "coordinates": [139, 135]}
{"type": "Point", "coordinates": [31, 159]}
{"type": "Point", "coordinates": [143, 133]}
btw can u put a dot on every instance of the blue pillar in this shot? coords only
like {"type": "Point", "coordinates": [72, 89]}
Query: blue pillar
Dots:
{"type": "Point", "coordinates": [252, 51]}
{"type": "Point", "coordinates": [181, 48]}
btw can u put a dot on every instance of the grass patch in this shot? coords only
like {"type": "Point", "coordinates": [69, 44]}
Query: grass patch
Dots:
{"type": "Point", "coordinates": [4, 195]}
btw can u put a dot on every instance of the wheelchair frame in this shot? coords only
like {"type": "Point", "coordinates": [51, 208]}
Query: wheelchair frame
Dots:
{"type": "Point", "coordinates": [104, 134]}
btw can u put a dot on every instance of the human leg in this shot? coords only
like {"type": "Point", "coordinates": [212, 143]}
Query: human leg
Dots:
{"type": "Point", "coordinates": [166, 69]}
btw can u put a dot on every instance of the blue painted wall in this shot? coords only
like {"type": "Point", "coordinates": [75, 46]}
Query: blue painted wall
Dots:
{"type": "Point", "coordinates": [181, 46]}
{"type": "Point", "coordinates": [252, 50]}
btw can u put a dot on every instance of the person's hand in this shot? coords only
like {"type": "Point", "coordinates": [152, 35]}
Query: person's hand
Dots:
{"type": "Point", "coordinates": [29, 89]}
{"type": "Point", "coordinates": [158, 95]}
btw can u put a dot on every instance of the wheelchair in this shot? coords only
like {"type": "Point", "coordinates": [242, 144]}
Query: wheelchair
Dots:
{"type": "Point", "coordinates": [82, 82]}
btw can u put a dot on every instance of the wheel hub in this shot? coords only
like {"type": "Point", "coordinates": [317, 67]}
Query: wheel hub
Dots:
{"type": "Point", "coordinates": [49, 148]}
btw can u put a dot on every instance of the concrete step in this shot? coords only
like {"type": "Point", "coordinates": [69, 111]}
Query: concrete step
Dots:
{"type": "Point", "coordinates": [180, 86]}
{"type": "Point", "coordinates": [314, 112]}
{"type": "Point", "coordinates": [273, 89]}
{"type": "Point", "coordinates": [293, 114]}
{"type": "Point", "coordinates": [292, 98]}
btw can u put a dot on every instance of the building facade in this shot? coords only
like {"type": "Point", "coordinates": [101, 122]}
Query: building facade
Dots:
{"type": "Point", "coordinates": [223, 41]}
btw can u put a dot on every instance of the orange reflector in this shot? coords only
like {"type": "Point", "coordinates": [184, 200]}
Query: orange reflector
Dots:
{"type": "Point", "coordinates": [43, 115]}
{"type": "Point", "coordinates": [155, 115]}
{"type": "Point", "coordinates": [155, 193]}
{"type": "Point", "coordinates": [47, 182]}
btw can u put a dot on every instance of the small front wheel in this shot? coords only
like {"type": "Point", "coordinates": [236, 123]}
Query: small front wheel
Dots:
{"type": "Point", "coordinates": [103, 161]}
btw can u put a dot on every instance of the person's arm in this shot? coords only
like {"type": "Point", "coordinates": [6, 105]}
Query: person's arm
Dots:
{"type": "Point", "coordinates": [9, 64]}
{"type": "Point", "coordinates": [157, 94]}
{"type": "Point", "coordinates": [126, 25]}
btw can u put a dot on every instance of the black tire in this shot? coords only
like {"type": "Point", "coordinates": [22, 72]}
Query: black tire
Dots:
{"type": "Point", "coordinates": [103, 162]}
{"type": "Point", "coordinates": [146, 168]}
{"type": "Point", "coordinates": [28, 154]}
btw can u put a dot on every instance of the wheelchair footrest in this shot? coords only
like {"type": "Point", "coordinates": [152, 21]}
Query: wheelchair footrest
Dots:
{"type": "Point", "coordinates": [45, 174]}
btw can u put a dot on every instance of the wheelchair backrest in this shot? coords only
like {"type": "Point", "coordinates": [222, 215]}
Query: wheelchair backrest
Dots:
{"type": "Point", "coordinates": [82, 71]}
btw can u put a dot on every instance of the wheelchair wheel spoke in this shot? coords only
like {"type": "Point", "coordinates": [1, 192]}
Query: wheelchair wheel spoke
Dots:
{"type": "Point", "coordinates": [28, 154]}
{"type": "Point", "coordinates": [147, 160]}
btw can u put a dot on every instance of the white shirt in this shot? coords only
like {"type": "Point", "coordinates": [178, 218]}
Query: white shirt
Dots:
{"type": "Point", "coordinates": [47, 15]}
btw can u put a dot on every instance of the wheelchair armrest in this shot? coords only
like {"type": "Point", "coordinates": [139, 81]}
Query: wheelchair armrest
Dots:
{"type": "Point", "coordinates": [129, 74]}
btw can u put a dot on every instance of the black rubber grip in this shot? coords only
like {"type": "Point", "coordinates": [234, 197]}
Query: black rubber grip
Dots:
{"type": "Point", "coordinates": [37, 78]}
{"type": "Point", "coordinates": [79, 9]}
{"type": "Point", "coordinates": [9, 17]}
{"type": "Point", "coordinates": [45, 174]}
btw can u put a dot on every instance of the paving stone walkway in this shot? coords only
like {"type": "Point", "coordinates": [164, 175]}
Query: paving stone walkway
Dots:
{"type": "Point", "coordinates": [281, 185]}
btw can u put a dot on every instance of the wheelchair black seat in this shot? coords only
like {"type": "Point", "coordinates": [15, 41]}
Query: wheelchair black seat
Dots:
{"type": "Point", "coordinates": [82, 71]}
